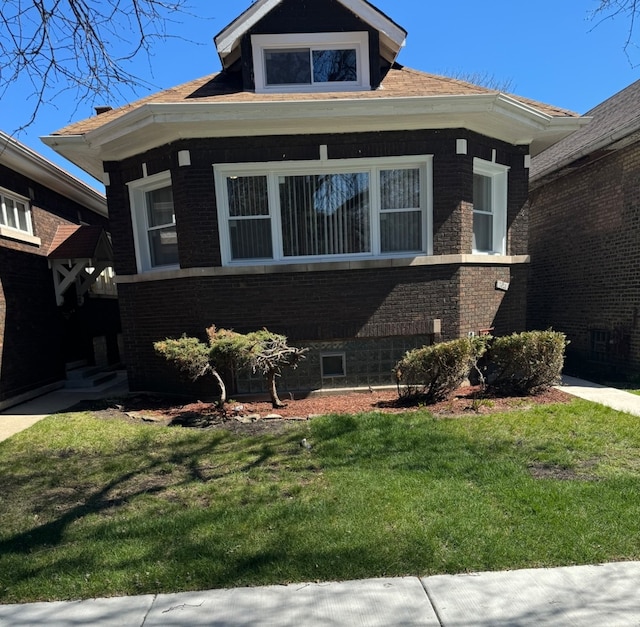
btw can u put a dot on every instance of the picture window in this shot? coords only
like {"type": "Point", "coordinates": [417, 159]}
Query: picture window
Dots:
{"type": "Point", "coordinates": [316, 212]}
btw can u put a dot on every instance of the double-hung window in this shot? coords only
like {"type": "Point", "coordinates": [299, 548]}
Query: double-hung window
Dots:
{"type": "Point", "coordinates": [154, 219]}
{"type": "Point", "coordinates": [15, 213]}
{"type": "Point", "coordinates": [311, 211]}
{"type": "Point", "coordinates": [489, 207]}
{"type": "Point", "coordinates": [311, 62]}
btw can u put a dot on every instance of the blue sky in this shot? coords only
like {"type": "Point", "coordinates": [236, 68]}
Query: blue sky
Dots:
{"type": "Point", "coordinates": [548, 50]}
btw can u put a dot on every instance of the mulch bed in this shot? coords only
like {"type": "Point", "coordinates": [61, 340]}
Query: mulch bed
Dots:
{"type": "Point", "coordinates": [258, 416]}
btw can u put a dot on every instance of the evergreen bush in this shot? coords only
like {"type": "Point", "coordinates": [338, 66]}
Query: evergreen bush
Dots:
{"type": "Point", "coordinates": [526, 363]}
{"type": "Point", "coordinates": [433, 372]}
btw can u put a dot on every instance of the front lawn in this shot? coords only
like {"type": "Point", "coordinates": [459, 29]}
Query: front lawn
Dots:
{"type": "Point", "coordinates": [98, 507]}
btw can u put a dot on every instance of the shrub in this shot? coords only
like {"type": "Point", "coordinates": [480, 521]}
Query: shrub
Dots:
{"type": "Point", "coordinates": [527, 363]}
{"type": "Point", "coordinates": [262, 351]}
{"type": "Point", "coordinates": [433, 372]}
{"type": "Point", "coordinates": [192, 357]}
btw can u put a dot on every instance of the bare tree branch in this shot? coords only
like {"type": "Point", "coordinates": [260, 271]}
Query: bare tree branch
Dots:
{"type": "Point", "coordinates": [625, 9]}
{"type": "Point", "coordinates": [83, 46]}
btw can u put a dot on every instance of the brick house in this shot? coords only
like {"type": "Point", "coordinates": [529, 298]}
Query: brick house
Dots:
{"type": "Point", "coordinates": [317, 188]}
{"type": "Point", "coordinates": [585, 238]}
{"type": "Point", "coordinates": [44, 209]}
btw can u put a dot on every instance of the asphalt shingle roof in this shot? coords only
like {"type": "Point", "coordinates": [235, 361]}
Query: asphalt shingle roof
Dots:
{"type": "Point", "coordinates": [615, 118]}
{"type": "Point", "coordinates": [400, 82]}
{"type": "Point", "coordinates": [73, 241]}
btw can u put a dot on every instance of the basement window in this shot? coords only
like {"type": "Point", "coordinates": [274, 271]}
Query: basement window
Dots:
{"type": "Point", "coordinates": [333, 365]}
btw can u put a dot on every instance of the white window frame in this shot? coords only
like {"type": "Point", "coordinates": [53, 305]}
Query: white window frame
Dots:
{"type": "Point", "coordinates": [499, 175]}
{"type": "Point", "coordinates": [273, 170]}
{"type": "Point", "coordinates": [138, 201]}
{"type": "Point", "coordinates": [314, 41]}
{"type": "Point", "coordinates": [15, 232]}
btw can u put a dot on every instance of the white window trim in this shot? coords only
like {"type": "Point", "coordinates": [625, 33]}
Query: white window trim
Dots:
{"type": "Point", "coordinates": [499, 175]}
{"type": "Point", "coordinates": [11, 232]}
{"type": "Point", "coordinates": [138, 202]}
{"type": "Point", "coordinates": [315, 41]}
{"type": "Point", "coordinates": [334, 166]}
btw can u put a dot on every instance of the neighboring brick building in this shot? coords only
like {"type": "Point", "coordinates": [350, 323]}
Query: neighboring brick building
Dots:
{"type": "Point", "coordinates": [38, 337]}
{"type": "Point", "coordinates": [585, 238]}
{"type": "Point", "coordinates": [316, 187]}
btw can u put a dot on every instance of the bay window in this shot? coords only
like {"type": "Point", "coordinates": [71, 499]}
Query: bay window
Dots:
{"type": "Point", "coordinates": [489, 207]}
{"type": "Point", "coordinates": [315, 211]}
{"type": "Point", "coordinates": [153, 217]}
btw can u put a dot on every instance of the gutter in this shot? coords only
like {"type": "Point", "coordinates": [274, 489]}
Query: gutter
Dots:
{"type": "Point", "coordinates": [19, 157]}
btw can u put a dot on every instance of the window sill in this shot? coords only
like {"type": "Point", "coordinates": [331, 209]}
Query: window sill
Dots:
{"type": "Point", "coordinates": [328, 266]}
{"type": "Point", "coordinates": [19, 236]}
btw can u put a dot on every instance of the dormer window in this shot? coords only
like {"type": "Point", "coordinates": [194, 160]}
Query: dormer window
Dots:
{"type": "Point", "coordinates": [311, 62]}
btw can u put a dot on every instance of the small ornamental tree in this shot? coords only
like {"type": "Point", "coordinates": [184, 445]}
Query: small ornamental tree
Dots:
{"type": "Point", "coordinates": [192, 357]}
{"type": "Point", "coordinates": [262, 351]}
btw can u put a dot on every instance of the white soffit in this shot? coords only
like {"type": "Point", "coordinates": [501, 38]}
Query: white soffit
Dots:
{"type": "Point", "coordinates": [152, 125]}
{"type": "Point", "coordinates": [392, 36]}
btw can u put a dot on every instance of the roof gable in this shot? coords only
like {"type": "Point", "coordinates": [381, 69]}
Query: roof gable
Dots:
{"type": "Point", "coordinates": [73, 241]}
{"type": "Point", "coordinates": [392, 36]}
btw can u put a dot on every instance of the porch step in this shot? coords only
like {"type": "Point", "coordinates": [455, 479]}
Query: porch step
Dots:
{"type": "Point", "coordinates": [87, 377]}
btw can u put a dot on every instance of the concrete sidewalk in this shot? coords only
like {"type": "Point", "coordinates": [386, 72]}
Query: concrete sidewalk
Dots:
{"type": "Point", "coordinates": [611, 397]}
{"type": "Point", "coordinates": [588, 596]}
{"type": "Point", "coordinates": [23, 416]}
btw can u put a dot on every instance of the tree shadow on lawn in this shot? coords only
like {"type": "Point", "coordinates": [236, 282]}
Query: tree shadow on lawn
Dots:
{"type": "Point", "coordinates": [148, 478]}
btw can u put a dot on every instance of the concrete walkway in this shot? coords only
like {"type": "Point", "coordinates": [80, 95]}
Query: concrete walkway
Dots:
{"type": "Point", "coordinates": [581, 596]}
{"type": "Point", "coordinates": [611, 397]}
{"type": "Point", "coordinates": [25, 415]}
{"type": "Point", "coordinates": [603, 595]}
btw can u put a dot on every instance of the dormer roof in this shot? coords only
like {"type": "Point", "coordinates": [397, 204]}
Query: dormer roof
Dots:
{"type": "Point", "coordinates": [392, 36]}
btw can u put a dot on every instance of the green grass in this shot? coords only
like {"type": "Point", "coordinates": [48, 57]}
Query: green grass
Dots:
{"type": "Point", "coordinates": [96, 508]}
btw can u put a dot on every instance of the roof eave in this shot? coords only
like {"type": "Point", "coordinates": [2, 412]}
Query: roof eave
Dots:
{"type": "Point", "coordinates": [152, 125]}
{"type": "Point", "coordinates": [29, 163]}
{"type": "Point", "coordinates": [615, 141]}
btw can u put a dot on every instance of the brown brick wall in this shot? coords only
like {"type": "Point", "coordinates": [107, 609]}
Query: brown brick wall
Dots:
{"type": "Point", "coordinates": [585, 234]}
{"type": "Point", "coordinates": [34, 332]}
{"type": "Point", "coordinates": [317, 305]}
{"type": "Point", "coordinates": [194, 190]}
{"type": "Point", "coordinates": [30, 324]}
